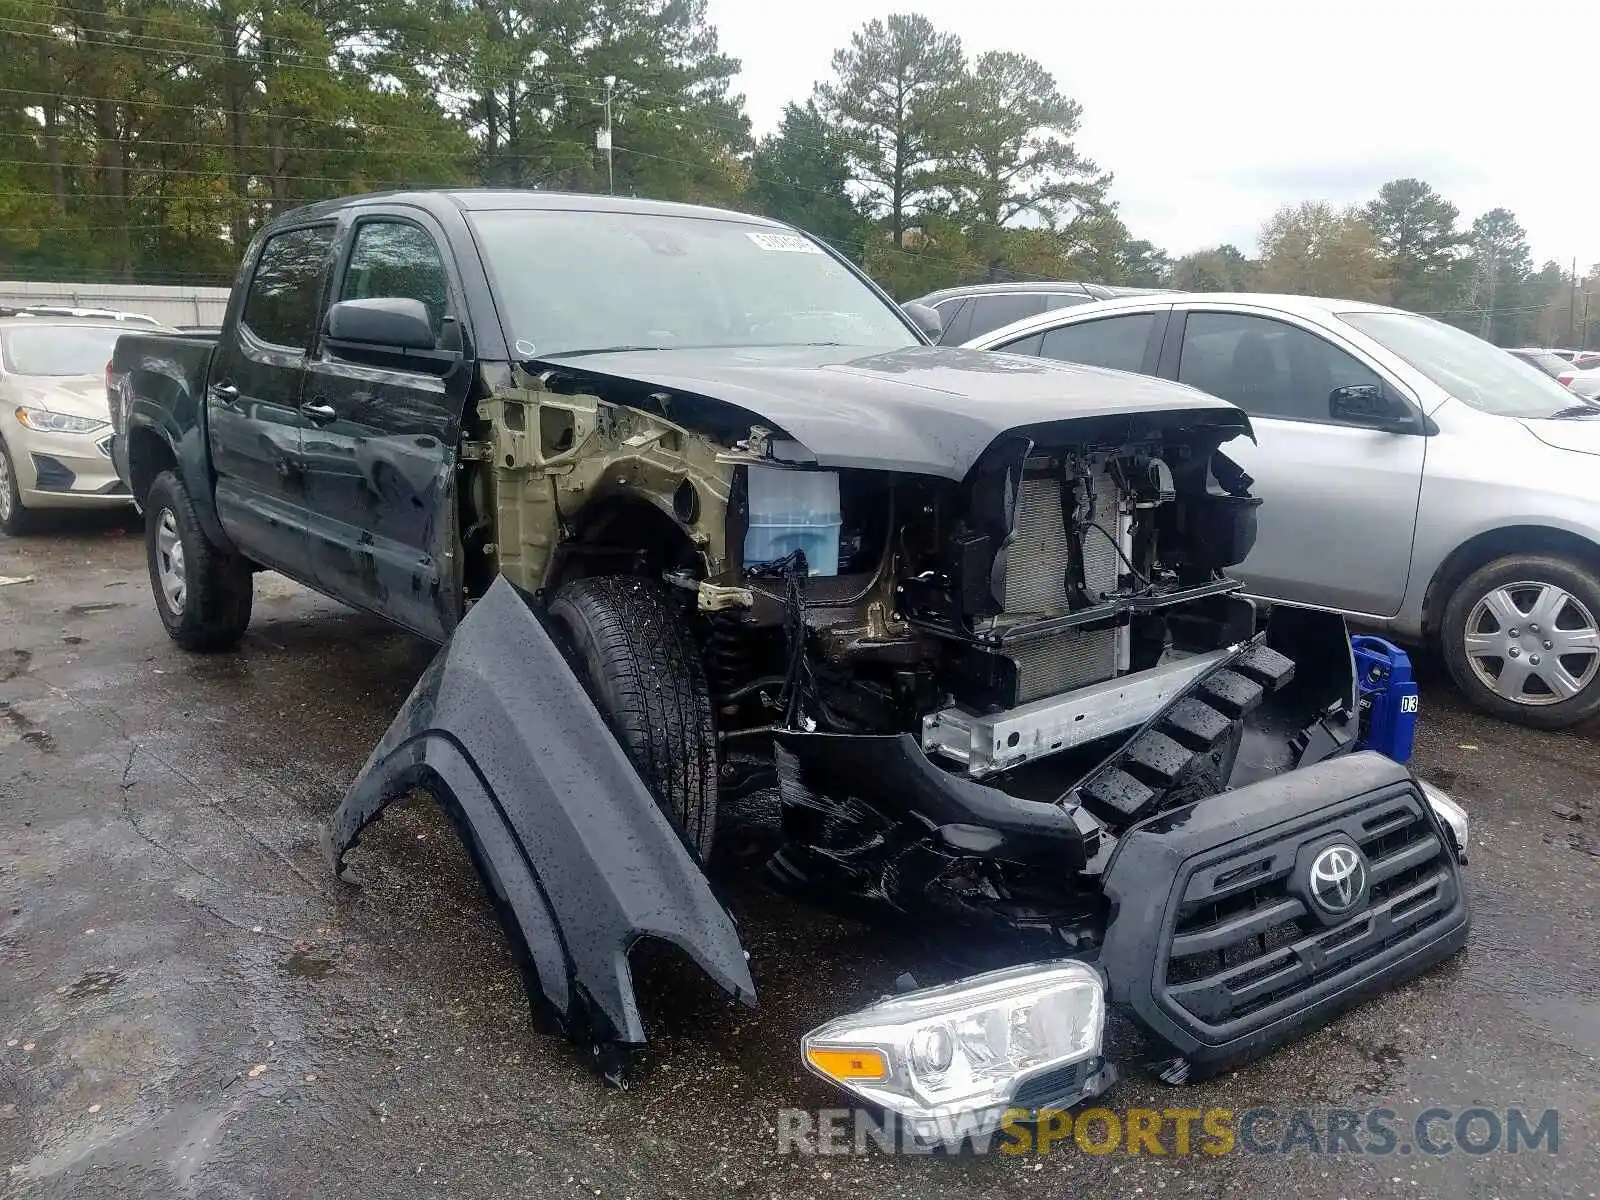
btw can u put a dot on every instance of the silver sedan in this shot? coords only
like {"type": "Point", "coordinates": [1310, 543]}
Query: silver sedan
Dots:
{"type": "Point", "coordinates": [1415, 477]}
{"type": "Point", "coordinates": [55, 427]}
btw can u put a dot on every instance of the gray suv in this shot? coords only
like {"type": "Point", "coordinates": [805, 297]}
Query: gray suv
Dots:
{"type": "Point", "coordinates": [1415, 477]}
{"type": "Point", "coordinates": [967, 312]}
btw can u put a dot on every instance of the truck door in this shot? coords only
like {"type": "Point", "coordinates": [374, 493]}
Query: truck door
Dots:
{"type": "Point", "coordinates": [1339, 511]}
{"type": "Point", "coordinates": [381, 433]}
{"type": "Point", "coordinates": [253, 420]}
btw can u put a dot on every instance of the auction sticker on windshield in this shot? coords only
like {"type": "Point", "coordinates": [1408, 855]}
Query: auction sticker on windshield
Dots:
{"type": "Point", "coordinates": [784, 241]}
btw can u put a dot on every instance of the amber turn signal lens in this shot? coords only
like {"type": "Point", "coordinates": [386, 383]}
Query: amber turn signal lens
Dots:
{"type": "Point", "coordinates": [848, 1064]}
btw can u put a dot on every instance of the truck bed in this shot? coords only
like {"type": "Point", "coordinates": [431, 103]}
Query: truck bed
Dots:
{"type": "Point", "coordinates": [159, 380]}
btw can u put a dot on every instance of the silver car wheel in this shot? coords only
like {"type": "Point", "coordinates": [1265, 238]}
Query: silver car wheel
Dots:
{"type": "Point", "coordinates": [5, 487]}
{"type": "Point", "coordinates": [1533, 643]}
{"type": "Point", "coordinates": [169, 562]}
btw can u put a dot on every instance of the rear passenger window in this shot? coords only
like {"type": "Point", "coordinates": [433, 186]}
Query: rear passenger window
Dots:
{"type": "Point", "coordinates": [991, 312]}
{"type": "Point", "coordinates": [957, 318]}
{"type": "Point", "coordinates": [1027, 345]}
{"type": "Point", "coordinates": [1117, 342]}
{"type": "Point", "coordinates": [1066, 300]}
{"type": "Point", "coordinates": [397, 259]}
{"type": "Point", "coordinates": [281, 305]}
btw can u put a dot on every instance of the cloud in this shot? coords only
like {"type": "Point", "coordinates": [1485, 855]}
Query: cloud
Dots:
{"type": "Point", "coordinates": [1210, 116]}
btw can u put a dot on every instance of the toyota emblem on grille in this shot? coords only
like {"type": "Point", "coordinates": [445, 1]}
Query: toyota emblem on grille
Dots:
{"type": "Point", "coordinates": [1338, 878]}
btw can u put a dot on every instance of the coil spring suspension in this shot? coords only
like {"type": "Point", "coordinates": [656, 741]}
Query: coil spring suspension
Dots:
{"type": "Point", "coordinates": [727, 653]}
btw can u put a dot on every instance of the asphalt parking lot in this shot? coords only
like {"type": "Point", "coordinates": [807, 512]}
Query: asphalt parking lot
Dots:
{"type": "Point", "coordinates": [190, 1004]}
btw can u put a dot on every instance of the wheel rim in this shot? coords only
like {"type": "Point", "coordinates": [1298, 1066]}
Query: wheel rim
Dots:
{"type": "Point", "coordinates": [1533, 643]}
{"type": "Point", "coordinates": [5, 487]}
{"type": "Point", "coordinates": [169, 561]}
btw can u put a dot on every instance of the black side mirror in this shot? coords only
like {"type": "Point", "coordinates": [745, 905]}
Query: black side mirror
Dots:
{"type": "Point", "coordinates": [1368, 405]}
{"type": "Point", "coordinates": [390, 322]}
{"type": "Point", "coordinates": [924, 318]}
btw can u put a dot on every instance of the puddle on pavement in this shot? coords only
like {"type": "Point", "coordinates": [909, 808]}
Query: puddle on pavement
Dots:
{"type": "Point", "coordinates": [306, 964]}
{"type": "Point", "coordinates": [181, 1141]}
{"type": "Point", "coordinates": [1386, 1061]}
{"type": "Point", "coordinates": [97, 606]}
{"type": "Point", "coordinates": [92, 983]}
{"type": "Point", "coordinates": [14, 663]}
{"type": "Point", "coordinates": [39, 739]}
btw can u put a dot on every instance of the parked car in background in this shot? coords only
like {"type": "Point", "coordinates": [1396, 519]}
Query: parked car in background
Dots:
{"type": "Point", "coordinates": [106, 314]}
{"type": "Point", "coordinates": [1553, 363]}
{"type": "Point", "coordinates": [1578, 358]}
{"type": "Point", "coordinates": [1584, 382]}
{"type": "Point", "coordinates": [55, 428]}
{"type": "Point", "coordinates": [1415, 478]}
{"type": "Point", "coordinates": [1569, 375]}
{"type": "Point", "coordinates": [967, 312]}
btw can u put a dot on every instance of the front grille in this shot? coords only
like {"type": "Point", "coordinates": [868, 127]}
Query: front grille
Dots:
{"type": "Point", "coordinates": [1036, 556]}
{"type": "Point", "coordinates": [1245, 940]}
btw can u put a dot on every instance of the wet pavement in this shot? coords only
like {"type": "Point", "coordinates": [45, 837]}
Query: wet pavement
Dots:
{"type": "Point", "coordinates": [191, 1005]}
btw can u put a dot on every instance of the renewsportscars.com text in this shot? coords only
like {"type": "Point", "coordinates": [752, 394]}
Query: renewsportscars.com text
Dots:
{"type": "Point", "coordinates": [1378, 1132]}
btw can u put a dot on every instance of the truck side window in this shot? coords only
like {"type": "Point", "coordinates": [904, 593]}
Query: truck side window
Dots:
{"type": "Point", "coordinates": [397, 259]}
{"type": "Point", "coordinates": [281, 305]}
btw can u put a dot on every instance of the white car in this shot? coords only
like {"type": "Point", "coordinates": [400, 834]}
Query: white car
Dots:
{"type": "Point", "coordinates": [55, 428]}
{"type": "Point", "coordinates": [1414, 477]}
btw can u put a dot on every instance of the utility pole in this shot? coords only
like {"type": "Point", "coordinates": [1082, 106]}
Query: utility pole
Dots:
{"type": "Point", "coordinates": [602, 139]}
{"type": "Point", "coordinates": [1572, 308]}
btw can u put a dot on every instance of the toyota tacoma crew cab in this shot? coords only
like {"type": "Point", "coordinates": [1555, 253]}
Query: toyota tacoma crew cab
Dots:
{"type": "Point", "coordinates": [701, 518]}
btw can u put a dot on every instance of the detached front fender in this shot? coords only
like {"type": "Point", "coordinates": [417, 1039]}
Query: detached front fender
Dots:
{"type": "Point", "coordinates": [583, 861]}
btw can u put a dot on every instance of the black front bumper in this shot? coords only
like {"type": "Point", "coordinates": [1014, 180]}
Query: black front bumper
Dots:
{"type": "Point", "coordinates": [1216, 945]}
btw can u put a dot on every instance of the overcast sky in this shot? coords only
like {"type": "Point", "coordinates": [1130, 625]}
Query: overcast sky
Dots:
{"type": "Point", "coordinates": [1212, 113]}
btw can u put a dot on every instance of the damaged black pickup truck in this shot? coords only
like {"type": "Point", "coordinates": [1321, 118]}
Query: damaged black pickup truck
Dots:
{"type": "Point", "coordinates": [699, 515]}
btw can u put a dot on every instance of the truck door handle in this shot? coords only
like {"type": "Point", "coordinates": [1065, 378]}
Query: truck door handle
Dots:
{"type": "Point", "coordinates": [225, 391]}
{"type": "Point", "coordinates": [319, 412]}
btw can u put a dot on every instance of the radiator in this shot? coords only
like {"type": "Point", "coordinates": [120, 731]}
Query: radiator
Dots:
{"type": "Point", "coordinates": [1036, 558]}
{"type": "Point", "coordinates": [1061, 663]}
{"type": "Point", "coordinates": [1035, 584]}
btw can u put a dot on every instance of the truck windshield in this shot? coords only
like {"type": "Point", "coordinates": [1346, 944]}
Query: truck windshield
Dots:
{"type": "Point", "coordinates": [570, 282]}
{"type": "Point", "coordinates": [1472, 370]}
{"type": "Point", "coordinates": [58, 349]}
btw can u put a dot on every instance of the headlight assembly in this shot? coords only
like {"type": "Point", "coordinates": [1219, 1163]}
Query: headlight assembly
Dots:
{"type": "Point", "coordinates": [44, 421]}
{"type": "Point", "coordinates": [962, 1054]}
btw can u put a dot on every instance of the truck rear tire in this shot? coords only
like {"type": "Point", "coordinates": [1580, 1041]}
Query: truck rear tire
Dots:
{"type": "Point", "coordinates": [1521, 636]}
{"type": "Point", "coordinates": [648, 681]}
{"type": "Point", "coordinates": [202, 592]}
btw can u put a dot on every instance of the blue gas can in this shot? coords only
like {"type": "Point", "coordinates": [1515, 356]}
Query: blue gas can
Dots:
{"type": "Point", "coordinates": [1389, 699]}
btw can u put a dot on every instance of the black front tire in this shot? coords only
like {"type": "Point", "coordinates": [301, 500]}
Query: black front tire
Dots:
{"type": "Point", "coordinates": [646, 676]}
{"type": "Point", "coordinates": [14, 518]}
{"type": "Point", "coordinates": [218, 588]}
{"type": "Point", "coordinates": [1521, 575]}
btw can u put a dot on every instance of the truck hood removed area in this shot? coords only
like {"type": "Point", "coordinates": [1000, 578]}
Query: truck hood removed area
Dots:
{"type": "Point", "coordinates": [929, 410]}
{"type": "Point", "coordinates": [580, 861]}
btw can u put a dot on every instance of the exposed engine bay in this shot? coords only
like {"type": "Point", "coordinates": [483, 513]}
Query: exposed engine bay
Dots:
{"type": "Point", "coordinates": [1047, 647]}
